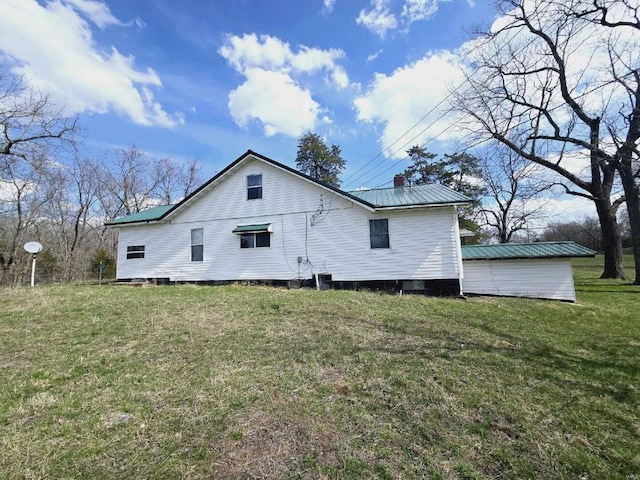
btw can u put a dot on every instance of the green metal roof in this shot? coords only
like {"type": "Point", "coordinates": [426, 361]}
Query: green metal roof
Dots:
{"type": "Point", "coordinates": [430, 194]}
{"type": "Point", "coordinates": [525, 250]}
{"type": "Point", "coordinates": [256, 228]}
{"type": "Point", "coordinates": [148, 215]}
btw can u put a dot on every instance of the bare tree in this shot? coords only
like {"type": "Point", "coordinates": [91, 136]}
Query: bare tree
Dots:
{"type": "Point", "coordinates": [28, 185]}
{"type": "Point", "coordinates": [127, 184]}
{"type": "Point", "coordinates": [175, 180]}
{"type": "Point", "coordinates": [545, 88]}
{"type": "Point", "coordinates": [585, 232]}
{"type": "Point", "coordinates": [512, 193]}
{"type": "Point", "coordinates": [32, 129]}
{"type": "Point", "coordinates": [132, 180]}
{"type": "Point", "coordinates": [72, 216]}
{"type": "Point", "coordinates": [29, 120]}
{"type": "Point", "coordinates": [622, 19]}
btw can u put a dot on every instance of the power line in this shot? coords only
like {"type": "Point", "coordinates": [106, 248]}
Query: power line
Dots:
{"type": "Point", "coordinates": [397, 140]}
{"type": "Point", "coordinates": [455, 90]}
{"type": "Point", "coordinates": [434, 108]}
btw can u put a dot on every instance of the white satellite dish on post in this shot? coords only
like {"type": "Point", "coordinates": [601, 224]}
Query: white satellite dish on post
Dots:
{"type": "Point", "coordinates": [33, 248]}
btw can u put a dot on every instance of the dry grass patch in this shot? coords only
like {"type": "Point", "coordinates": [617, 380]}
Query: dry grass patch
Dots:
{"type": "Point", "coordinates": [261, 445]}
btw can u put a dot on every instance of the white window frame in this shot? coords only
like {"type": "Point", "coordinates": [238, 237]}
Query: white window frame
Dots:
{"type": "Point", "coordinates": [379, 235]}
{"type": "Point", "coordinates": [197, 244]}
{"type": "Point", "coordinates": [254, 187]}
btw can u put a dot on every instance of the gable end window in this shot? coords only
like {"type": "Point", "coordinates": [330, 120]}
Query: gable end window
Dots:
{"type": "Point", "coordinates": [197, 244]}
{"type": "Point", "coordinates": [379, 233]}
{"type": "Point", "coordinates": [135, 251]}
{"type": "Point", "coordinates": [255, 240]}
{"type": "Point", "coordinates": [254, 187]}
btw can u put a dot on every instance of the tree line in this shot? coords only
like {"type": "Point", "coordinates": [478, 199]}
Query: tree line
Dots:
{"type": "Point", "coordinates": [51, 193]}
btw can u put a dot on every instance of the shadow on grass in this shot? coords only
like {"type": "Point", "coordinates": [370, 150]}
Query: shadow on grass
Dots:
{"type": "Point", "coordinates": [611, 372]}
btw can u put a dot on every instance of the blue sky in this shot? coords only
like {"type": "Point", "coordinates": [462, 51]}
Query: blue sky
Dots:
{"type": "Point", "coordinates": [209, 80]}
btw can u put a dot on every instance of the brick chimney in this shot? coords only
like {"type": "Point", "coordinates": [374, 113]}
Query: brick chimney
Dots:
{"type": "Point", "coordinates": [398, 180]}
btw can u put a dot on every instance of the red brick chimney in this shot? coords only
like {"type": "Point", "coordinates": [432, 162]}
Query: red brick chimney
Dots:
{"type": "Point", "coordinates": [398, 180]}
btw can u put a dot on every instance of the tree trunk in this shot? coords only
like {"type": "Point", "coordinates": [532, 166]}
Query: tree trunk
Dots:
{"type": "Point", "coordinates": [632, 195]}
{"type": "Point", "coordinates": [611, 240]}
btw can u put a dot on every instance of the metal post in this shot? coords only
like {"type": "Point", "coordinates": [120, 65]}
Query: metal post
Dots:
{"type": "Point", "coordinates": [33, 271]}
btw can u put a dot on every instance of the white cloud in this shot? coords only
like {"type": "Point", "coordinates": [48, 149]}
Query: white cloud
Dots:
{"type": "Point", "coordinates": [277, 101]}
{"type": "Point", "coordinates": [373, 56]}
{"type": "Point", "coordinates": [328, 5]}
{"type": "Point", "coordinates": [339, 78]}
{"type": "Point", "coordinates": [400, 100]}
{"type": "Point", "coordinates": [58, 55]}
{"type": "Point", "coordinates": [270, 53]}
{"type": "Point", "coordinates": [560, 208]}
{"type": "Point", "coordinates": [272, 61]}
{"type": "Point", "coordinates": [95, 11]}
{"type": "Point", "coordinates": [416, 10]}
{"type": "Point", "coordinates": [379, 19]}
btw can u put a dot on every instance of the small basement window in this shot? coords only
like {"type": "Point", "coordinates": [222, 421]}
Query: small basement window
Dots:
{"type": "Point", "coordinates": [254, 187]}
{"type": "Point", "coordinates": [135, 251]}
{"type": "Point", "coordinates": [197, 244]}
{"type": "Point", "coordinates": [379, 233]}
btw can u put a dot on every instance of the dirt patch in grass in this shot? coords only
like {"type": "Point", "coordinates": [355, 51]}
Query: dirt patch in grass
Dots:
{"type": "Point", "coordinates": [262, 445]}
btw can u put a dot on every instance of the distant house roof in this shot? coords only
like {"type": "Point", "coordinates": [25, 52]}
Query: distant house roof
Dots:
{"type": "Point", "coordinates": [397, 197]}
{"type": "Point", "coordinates": [525, 250]}
{"type": "Point", "coordinates": [427, 194]}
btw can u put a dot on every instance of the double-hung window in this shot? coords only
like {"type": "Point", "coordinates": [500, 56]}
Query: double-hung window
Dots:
{"type": "Point", "coordinates": [379, 233]}
{"type": "Point", "coordinates": [254, 187]}
{"type": "Point", "coordinates": [197, 244]}
{"type": "Point", "coordinates": [135, 251]}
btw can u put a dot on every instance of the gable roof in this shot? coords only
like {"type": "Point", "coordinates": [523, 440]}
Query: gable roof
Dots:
{"type": "Point", "coordinates": [515, 251]}
{"type": "Point", "coordinates": [400, 197]}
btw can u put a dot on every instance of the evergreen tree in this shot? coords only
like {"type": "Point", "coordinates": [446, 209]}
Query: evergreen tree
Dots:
{"type": "Point", "coordinates": [319, 161]}
{"type": "Point", "coordinates": [461, 172]}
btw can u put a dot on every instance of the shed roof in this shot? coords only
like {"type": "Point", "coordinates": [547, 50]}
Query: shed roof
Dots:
{"type": "Point", "coordinates": [525, 250]}
{"type": "Point", "coordinates": [427, 194]}
{"type": "Point", "coordinates": [255, 228]}
{"type": "Point", "coordinates": [149, 215]}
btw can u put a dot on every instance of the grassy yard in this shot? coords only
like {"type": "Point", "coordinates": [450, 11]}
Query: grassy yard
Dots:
{"type": "Point", "coordinates": [250, 382]}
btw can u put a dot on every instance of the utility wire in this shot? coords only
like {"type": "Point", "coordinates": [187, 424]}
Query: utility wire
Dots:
{"type": "Point", "coordinates": [484, 140]}
{"type": "Point", "coordinates": [455, 90]}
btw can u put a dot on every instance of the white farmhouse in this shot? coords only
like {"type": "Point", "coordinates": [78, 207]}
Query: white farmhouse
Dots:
{"type": "Point", "coordinates": [259, 220]}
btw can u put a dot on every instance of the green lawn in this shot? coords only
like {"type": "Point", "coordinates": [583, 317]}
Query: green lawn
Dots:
{"type": "Point", "coordinates": [250, 382]}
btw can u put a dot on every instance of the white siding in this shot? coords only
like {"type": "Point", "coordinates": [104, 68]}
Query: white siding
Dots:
{"type": "Point", "coordinates": [536, 278]}
{"type": "Point", "coordinates": [424, 243]}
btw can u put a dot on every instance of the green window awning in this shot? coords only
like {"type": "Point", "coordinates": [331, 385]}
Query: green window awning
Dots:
{"type": "Point", "coordinates": [255, 228]}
